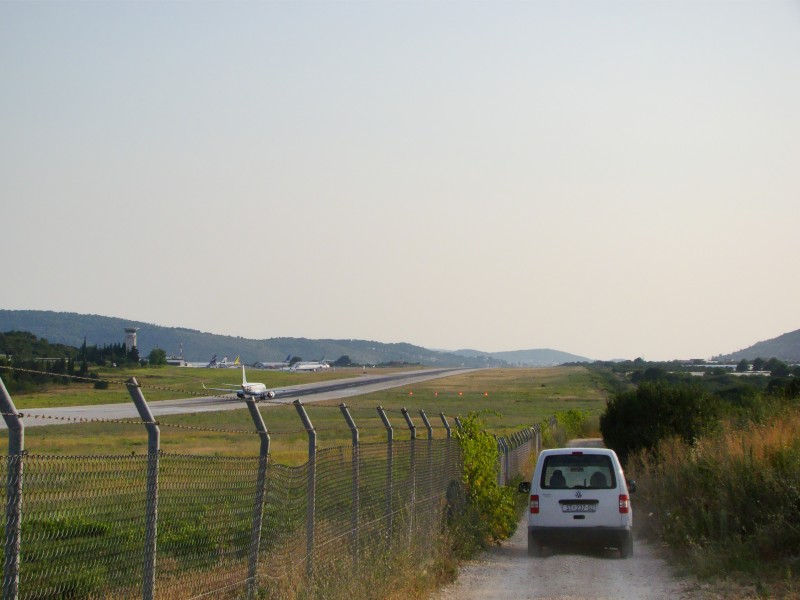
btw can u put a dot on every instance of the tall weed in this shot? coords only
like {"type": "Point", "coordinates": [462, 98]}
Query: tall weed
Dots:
{"type": "Point", "coordinates": [729, 502]}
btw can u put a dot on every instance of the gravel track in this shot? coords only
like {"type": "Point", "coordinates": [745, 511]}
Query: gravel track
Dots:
{"type": "Point", "coordinates": [507, 572]}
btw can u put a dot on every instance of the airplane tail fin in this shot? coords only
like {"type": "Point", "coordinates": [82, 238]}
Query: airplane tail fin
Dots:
{"type": "Point", "coordinates": [244, 377]}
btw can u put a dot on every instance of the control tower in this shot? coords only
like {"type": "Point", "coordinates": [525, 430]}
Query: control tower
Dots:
{"type": "Point", "coordinates": [130, 338]}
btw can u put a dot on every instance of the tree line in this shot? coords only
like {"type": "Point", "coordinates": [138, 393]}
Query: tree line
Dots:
{"type": "Point", "coordinates": [649, 402]}
{"type": "Point", "coordinates": [31, 361]}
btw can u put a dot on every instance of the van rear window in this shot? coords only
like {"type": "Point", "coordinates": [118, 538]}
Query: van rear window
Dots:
{"type": "Point", "coordinates": [578, 471]}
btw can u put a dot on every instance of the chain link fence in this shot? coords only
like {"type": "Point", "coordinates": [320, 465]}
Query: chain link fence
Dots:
{"type": "Point", "coordinates": [177, 526]}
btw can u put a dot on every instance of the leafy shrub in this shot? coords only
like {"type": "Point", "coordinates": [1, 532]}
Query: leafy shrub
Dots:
{"type": "Point", "coordinates": [489, 507]}
{"type": "Point", "coordinates": [548, 438]}
{"type": "Point", "coordinates": [574, 422]}
{"type": "Point", "coordinates": [640, 418]}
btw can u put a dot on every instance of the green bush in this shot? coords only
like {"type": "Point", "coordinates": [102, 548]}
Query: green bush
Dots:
{"type": "Point", "coordinates": [574, 422]}
{"type": "Point", "coordinates": [657, 410]}
{"type": "Point", "coordinates": [548, 438]}
{"type": "Point", "coordinates": [489, 508]}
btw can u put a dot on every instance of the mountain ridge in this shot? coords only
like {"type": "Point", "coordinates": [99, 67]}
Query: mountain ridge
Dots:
{"type": "Point", "coordinates": [72, 328]}
{"type": "Point", "coordinates": [785, 347]}
{"type": "Point", "coordinates": [540, 357]}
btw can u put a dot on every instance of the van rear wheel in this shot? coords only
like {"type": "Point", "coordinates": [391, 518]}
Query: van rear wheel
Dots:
{"type": "Point", "coordinates": [534, 546]}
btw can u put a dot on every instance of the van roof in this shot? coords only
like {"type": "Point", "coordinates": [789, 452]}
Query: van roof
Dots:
{"type": "Point", "coordinates": [605, 451]}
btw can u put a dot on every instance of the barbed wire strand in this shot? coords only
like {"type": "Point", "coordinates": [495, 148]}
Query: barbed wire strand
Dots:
{"type": "Point", "coordinates": [278, 402]}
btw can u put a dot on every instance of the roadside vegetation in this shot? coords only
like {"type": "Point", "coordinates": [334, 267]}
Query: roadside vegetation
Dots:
{"type": "Point", "coordinates": [484, 513]}
{"type": "Point", "coordinates": [717, 463]}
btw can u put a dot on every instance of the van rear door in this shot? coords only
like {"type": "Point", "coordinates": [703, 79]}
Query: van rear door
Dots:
{"type": "Point", "coordinates": [578, 489]}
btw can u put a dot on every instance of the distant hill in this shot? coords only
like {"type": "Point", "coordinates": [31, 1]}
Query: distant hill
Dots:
{"type": "Point", "coordinates": [785, 347]}
{"type": "Point", "coordinates": [71, 328]}
{"type": "Point", "coordinates": [544, 357]}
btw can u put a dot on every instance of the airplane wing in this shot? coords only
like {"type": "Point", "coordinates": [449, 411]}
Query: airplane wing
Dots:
{"type": "Point", "coordinates": [230, 390]}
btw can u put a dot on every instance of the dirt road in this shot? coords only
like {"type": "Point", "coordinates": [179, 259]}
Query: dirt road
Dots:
{"type": "Point", "coordinates": [507, 572]}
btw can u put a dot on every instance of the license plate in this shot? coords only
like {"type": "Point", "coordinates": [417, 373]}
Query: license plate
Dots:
{"type": "Point", "coordinates": [578, 508]}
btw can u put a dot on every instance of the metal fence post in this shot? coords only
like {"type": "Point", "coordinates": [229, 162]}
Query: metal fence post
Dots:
{"type": "Point", "coordinates": [499, 460]}
{"type": "Point", "coordinates": [356, 476]}
{"type": "Point", "coordinates": [459, 425]}
{"type": "Point", "coordinates": [507, 449]}
{"type": "Point", "coordinates": [258, 507]}
{"type": "Point", "coordinates": [389, 468]}
{"type": "Point", "coordinates": [151, 510]}
{"type": "Point", "coordinates": [529, 443]}
{"type": "Point", "coordinates": [429, 475]}
{"type": "Point", "coordinates": [448, 443]}
{"type": "Point", "coordinates": [427, 424]}
{"type": "Point", "coordinates": [312, 487]}
{"type": "Point", "coordinates": [16, 450]}
{"type": "Point", "coordinates": [503, 449]}
{"type": "Point", "coordinates": [412, 468]}
{"type": "Point", "coordinates": [446, 425]}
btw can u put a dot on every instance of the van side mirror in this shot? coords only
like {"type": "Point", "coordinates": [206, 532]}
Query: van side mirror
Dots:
{"type": "Point", "coordinates": [524, 487]}
{"type": "Point", "coordinates": [631, 486]}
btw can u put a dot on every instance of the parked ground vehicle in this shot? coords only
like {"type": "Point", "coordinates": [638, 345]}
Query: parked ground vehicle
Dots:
{"type": "Point", "coordinates": [579, 495]}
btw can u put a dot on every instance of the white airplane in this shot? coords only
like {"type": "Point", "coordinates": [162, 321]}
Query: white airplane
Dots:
{"type": "Point", "coordinates": [275, 365]}
{"type": "Point", "coordinates": [314, 365]}
{"type": "Point", "coordinates": [247, 390]}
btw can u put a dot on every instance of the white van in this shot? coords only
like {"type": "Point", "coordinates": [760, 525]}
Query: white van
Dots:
{"type": "Point", "coordinates": [579, 495]}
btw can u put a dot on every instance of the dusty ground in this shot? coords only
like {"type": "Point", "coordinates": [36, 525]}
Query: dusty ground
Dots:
{"type": "Point", "coordinates": [569, 574]}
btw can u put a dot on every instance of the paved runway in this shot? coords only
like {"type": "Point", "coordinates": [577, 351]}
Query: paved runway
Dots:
{"type": "Point", "coordinates": [310, 392]}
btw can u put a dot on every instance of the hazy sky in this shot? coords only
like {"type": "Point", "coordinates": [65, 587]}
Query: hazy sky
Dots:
{"type": "Point", "coordinates": [608, 178]}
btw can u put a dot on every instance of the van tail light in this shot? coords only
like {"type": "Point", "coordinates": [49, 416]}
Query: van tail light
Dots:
{"type": "Point", "coordinates": [534, 504]}
{"type": "Point", "coordinates": [624, 504]}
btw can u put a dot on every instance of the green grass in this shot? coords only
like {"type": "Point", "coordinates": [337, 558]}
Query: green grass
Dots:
{"type": "Point", "coordinates": [517, 398]}
{"type": "Point", "coordinates": [164, 383]}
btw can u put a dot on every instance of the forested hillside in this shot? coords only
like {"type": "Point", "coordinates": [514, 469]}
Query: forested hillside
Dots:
{"type": "Point", "coordinates": [73, 328]}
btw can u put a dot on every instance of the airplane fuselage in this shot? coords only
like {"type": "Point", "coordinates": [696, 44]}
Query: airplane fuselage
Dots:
{"type": "Point", "coordinates": [316, 366]}
{"type": "Point", "coordinates": [258, 390]}
{"type": "Point", "coordinates": [248, 390]}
